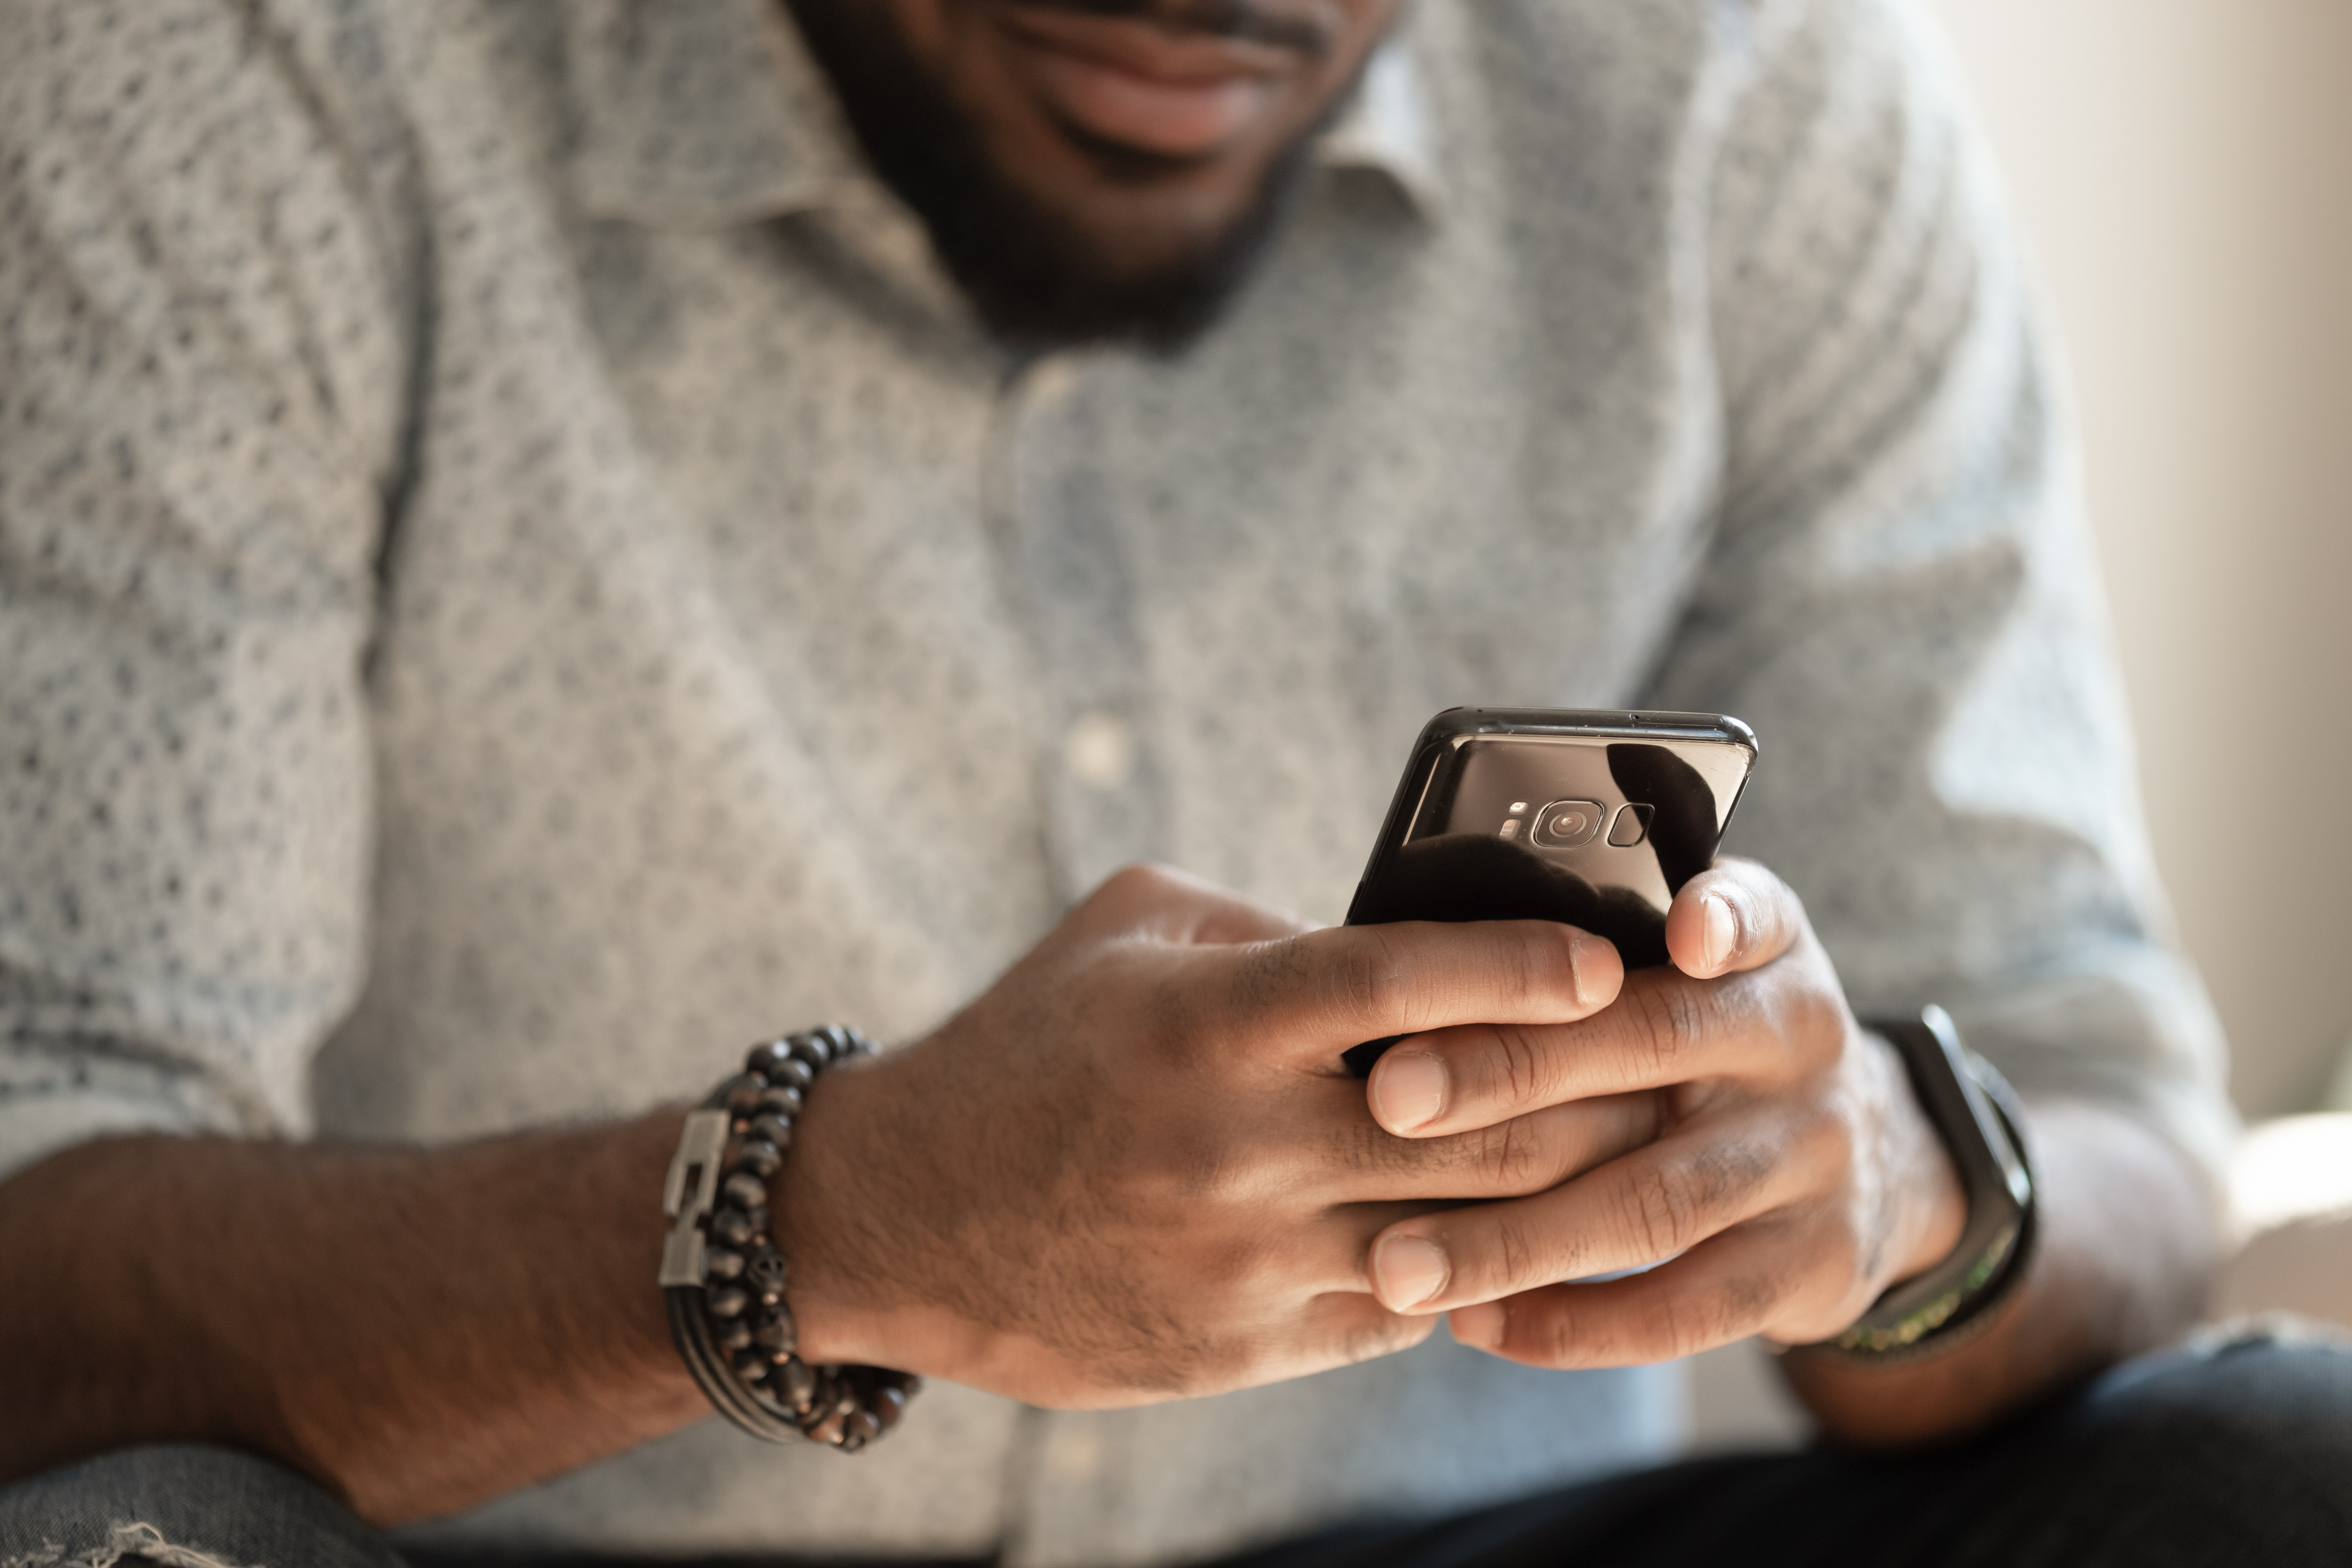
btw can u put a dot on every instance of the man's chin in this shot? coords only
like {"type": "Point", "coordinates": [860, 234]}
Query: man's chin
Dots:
{"type": "Point", "coordinates": [1145, 249]}
{"type": "Point", "coordinates": [1146, 265]}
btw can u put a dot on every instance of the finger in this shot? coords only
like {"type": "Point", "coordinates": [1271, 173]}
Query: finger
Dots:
{"type": "Point", "coordinates": [1347, 1327]}
{"type": "Point", "coordinates": [1639, 1210]}
{"type": "Point", "coordinates": [1311, 996]}
{"type": "Point", "coordinates": [1729, 1288]}
{"type": "Point", "coordinates": [1733, 916]}
{"type": "Point", "coordinates": [1664, 1029]}
{"type": "Point", "coordinates": [1527, 1154]}
{"type": "Point", "coordinates": [1174, 905]}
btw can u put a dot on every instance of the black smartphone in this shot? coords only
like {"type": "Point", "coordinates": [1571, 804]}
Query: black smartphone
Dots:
{"type": "Point", "coordinates": [1595, 819]}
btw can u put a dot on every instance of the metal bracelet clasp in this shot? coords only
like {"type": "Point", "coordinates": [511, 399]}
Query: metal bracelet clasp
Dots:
{"type": "Point", "coordinates": [688, 1194]}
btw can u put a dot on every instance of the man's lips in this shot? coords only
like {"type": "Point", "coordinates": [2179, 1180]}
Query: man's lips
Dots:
{"type": "Point", "coordinates": [1136, 84]}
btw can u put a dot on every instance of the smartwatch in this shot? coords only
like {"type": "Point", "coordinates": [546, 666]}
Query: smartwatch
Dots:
{"type": "Point", "coordinates": [1976, 1114]}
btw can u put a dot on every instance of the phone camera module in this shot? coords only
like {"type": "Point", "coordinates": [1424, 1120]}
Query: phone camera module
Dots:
{"type": "Point", "coordinates": [1566, 824]}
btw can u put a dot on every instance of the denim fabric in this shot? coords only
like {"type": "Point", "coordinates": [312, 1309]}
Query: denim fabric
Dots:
{"type": "Point", "coordinates": [2236, 1451]}
{"type": "Point", "coordinates": [181, 1506]}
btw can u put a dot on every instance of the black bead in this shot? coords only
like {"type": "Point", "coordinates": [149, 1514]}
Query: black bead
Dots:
{"type": "Point", "coordinates": [859, 1428]}
{"type": "Point", "coordinates": [741, 1094]}
{"type": "Point", "coordinates": [765, 1059]}
{"type": "Point", "coordinates": [773, 1129]}
{"type": "Point", "coordinates": [795, 1073]}
{"type": "Point", "coordinates": [777, 1335]}
{"type": "Point", "coordinates": [887, 1404]}
{"type": "Point", "coordinates": [725, 1301]}
{"type": "Point", "coordinates": [718, 1263]}
{"type": "Point", "coordinates": [733, 1228]}
{"type": "Point", "coordinates": [796, 1382]}
{"type": "Point", "coordinates": [764, 1269]}
{"type": "Point", "coordinates": [813, 1049]}
{"type": "Point", "coordinates": [744, 1190]}
{"type": "Point", "coordinates": [749, 1365]}
{"type": "Point", "coordinates": [760, 1157]}
{"type": "Point", "coordinates": [734, 1334]}
{"type": "Point", "coordinates": [782, 1100]}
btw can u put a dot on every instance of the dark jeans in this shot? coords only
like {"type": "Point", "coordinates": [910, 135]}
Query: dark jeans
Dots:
{"type": "Point", "coordinates": [2238, 1452]}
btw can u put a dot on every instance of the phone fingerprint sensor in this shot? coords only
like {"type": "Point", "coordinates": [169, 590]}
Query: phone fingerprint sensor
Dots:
{"type": "Point", "coordinates": [1632, 822]}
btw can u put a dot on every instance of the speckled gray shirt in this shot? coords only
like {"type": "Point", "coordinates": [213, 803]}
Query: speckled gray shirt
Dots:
{"type": "Point", "coordinates": [517, 577]}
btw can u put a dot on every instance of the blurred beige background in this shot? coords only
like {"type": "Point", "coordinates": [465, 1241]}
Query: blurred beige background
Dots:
{"type": "Point", "coordinates": [2182, 171]}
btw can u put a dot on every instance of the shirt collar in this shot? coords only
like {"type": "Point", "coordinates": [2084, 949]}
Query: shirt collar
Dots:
{"type": "Point", "coordinates": [705, 113]}
{"type": "Point", "coordinates": [701, 114]}
{"type": "Point", "coordinates": [1385, 129]}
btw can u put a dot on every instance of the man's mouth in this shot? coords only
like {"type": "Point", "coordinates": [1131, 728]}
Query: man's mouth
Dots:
{"type": "Point", "coordinates": [1120, 75]}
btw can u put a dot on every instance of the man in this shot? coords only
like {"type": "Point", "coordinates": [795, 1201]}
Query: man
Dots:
{"type": "Point", "coordinates": [543, 544]}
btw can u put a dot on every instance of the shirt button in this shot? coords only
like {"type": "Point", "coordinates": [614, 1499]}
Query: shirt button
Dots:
{"type": "Point", "coordinates": [1074, 1451]}
{"type": "Point", "coordinates": [1099, 750]}
{"type": "Point", "coordinates": [1049, 381]}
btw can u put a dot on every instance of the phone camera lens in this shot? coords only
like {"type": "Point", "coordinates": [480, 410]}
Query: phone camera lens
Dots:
{"type": "Point", "coordinates": [1565, 824]}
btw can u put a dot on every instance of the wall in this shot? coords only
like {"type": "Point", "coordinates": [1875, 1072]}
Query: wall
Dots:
{"type": "Point", "coordinates": [2182, 171]}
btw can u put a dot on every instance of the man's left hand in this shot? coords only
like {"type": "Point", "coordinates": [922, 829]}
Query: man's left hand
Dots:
{"type": "Point", "coordinates": [1791, 1178]}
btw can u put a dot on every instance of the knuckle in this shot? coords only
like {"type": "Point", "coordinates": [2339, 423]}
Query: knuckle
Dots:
{"type": "Point", "coordinates": [1518, 1253]}
{"type": "Point", "coordinates": [1367, 986]}
{"type": "Point", "coordinates": [1509, 1157]}
{"type": "Point", "coordinates": [1682, 1327]}
{"type": "Point", "coordinates": [1554, 1337]}
{"type": "Point", "coordinates": [1659, 1213]}
{"type": "Point", "coordinates": [1815, 1016]}
{"type": "Point", "coordinates": [1658, 1023]}
{"type": "Point", "coordinates": [1520, 1066]}
{"type": "Point", "coordinates": [1270, 972]}
{"type": "Point", "coordinates": [1140, 883]}
{"type": "Point", "coordinates": [1383, 1337]}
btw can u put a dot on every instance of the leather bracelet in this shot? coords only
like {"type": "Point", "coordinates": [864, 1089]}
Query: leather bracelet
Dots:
{"type": "Point", "coordinates": [724, 1276]}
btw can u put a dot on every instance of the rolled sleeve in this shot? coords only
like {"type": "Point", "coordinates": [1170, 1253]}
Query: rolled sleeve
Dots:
{"type": "Point", "coordinates": [1901, 594]}
{"type": "Point", "coordinates": [201, 385]}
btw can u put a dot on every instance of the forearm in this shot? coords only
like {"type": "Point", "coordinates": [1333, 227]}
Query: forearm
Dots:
{"type": "Point", "coordinates": [417, 1329]}
{"type": "Point", "coordinates": [2122, 1261]}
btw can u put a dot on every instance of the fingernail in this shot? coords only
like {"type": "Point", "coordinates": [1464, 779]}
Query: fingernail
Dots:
{"type": "Point", "coordinates": [1480, 1327]}
{"type": "Point", "coordinates": [1718, 931]}
{"type": "Point", "coordinates": [1589, 955]}
{"type": "Point", "coordinates": [1408, 1270]}
{"type": "Point", "coordinates": [1409, 1089]}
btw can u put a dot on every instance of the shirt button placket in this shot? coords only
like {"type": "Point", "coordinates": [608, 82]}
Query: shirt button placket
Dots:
{"type": "Point", "coordinates": [1103, 788]}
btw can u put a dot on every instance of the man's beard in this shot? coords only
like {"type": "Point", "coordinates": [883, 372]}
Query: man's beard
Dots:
{"type": "Point", "coordinates": [1032, 273]}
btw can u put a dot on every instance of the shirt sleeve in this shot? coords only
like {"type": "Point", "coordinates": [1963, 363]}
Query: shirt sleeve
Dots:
{"type": "Point", "coordinates": [202, 380]}
{"type": "Point", "coordinates": [1901, 594]}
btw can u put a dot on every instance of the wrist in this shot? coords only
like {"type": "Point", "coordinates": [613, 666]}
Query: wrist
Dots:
{"type": "Point", "coordinates": [857, 1207]}
{"type": "Point", "coordinates": [818, 1203]}
{"type": "Point", "coordinates": [726, 1283]}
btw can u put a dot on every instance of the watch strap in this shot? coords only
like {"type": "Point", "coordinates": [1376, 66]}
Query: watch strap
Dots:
{"type": "Point", "coordinates": [1976, 1114]}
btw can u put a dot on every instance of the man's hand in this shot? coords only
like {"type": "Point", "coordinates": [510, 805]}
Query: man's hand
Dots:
{"type": "Point", "coordinates": [1136, 1169]}
{"type": "Point", "coordinates": [1790, 1176]}
{"type": "Point", "coordinates": [1133, 1169]}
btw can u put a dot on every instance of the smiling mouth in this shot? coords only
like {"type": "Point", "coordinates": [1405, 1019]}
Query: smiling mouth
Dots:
{"type": "Point", "coordinates": [1121, 76]}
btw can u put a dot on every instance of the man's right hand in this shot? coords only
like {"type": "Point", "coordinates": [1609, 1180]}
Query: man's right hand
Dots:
{"type": "Point", "coordinates": [1132, 1170]}
{"type": "Point", "coordinates": [1135, 1168]}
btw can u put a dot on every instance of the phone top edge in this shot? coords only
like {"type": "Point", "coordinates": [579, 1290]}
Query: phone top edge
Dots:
{"type": "Point", "coordinates": [1457, 725]}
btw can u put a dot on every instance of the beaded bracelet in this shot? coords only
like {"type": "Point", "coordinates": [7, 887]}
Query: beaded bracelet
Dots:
{"type": "Point", "coordinates": [724, 1276]}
